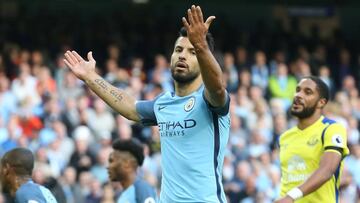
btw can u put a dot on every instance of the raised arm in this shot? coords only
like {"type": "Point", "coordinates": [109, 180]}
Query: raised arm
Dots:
{"type": "Point", "coordinates": [210, 69]}
{"type": "Point", "coordinates": [118, 99]}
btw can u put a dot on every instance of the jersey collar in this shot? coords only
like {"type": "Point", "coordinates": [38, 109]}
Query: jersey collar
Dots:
{"type": "Point", "coordinates": [312, 126]}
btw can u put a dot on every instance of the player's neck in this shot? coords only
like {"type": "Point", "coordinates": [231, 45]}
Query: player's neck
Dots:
{"type": "Point", "coordinates": [18, 181]}
{"type": "Point", "coordinates": [129, 181]}
{"type": "Point", "coordinates": [184, 89]}
{"type": "Point", "coordinates": [304, 123]}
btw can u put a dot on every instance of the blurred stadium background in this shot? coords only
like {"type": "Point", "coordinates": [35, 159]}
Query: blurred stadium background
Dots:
{"type": "Point", "coordinates": [261, 45]}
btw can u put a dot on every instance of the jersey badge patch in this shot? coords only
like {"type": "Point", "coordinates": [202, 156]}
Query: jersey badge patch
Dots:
{"type": "Point", "coordinates": [312, 141]}
{"type": "Point", "coordinates": [337, 140]}
{"type": "Point", "coordinates": [189, 104]}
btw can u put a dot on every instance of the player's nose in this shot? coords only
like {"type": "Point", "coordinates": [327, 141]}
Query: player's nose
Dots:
{"type": "Point", "coordinates": [298, 95]}
{"type": "Point", "coordinates": [182, 56]}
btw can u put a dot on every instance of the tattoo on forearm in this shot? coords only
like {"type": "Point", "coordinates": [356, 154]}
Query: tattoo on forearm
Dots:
{"type": "Point", "coordinates": [117, 95]}
{"type": "Point", "coordinates": [101, 83]}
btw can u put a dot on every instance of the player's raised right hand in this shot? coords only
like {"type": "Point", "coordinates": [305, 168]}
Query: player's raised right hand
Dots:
{"type": "Point", "coordinates": [78, 65]}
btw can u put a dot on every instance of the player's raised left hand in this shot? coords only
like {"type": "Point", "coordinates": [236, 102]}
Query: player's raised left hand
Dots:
{"type": "Point", "coordinates": [196, 27]}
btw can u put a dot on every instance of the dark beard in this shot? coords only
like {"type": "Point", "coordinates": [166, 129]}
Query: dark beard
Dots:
{"type": "Point", "coordinates": [184, 79]}
{"type": "Point", "coordinates": [305, 113]}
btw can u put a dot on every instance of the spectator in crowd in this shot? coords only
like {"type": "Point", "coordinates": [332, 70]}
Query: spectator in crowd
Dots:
{"type": "Point", "coordinates": [82, 159]}
{"type": "Point", "coordinates": [325, 75]}
{"type": "Point", "coordinates": [70, 186]}
{"type": "Point", "coordinates": [231, 72]}
{"type": "Point", "coordinates": [8, 102]}
{"type": "Point", "coordinates": [260, 71]}
{"type": "Point", "coordinates": [282, 85]}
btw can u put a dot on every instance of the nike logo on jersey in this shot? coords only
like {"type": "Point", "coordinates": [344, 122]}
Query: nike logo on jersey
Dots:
{"type": "Point", "coordinates": [161, 107]}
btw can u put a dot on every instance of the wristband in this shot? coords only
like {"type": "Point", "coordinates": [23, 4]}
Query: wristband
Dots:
{"type": "Point", "coordinates": [295, 193]}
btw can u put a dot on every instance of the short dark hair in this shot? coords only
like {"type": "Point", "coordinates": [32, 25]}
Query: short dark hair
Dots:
{"type": "Point", "coordinates": [321, 86]}
{"type": "Point", "coordinates": [133, 146]}
{"type": "Point", "coordinates": [21, 160]}
{"type": "Point", "coordinates": [209, 38]}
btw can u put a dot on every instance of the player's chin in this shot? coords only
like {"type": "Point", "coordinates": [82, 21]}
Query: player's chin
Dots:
{"type": "Point", "coordinates": [180, 72]}
{"type": "Point", "coordinates": [180, 77]}
{"type": "Point", "coordinates": [110, 176]}
{"type": "Point", "coordinates": [295, 111]}
{"type": "Point", "coordinates": [112, 179]}
{"type": "Point", "coordinates": [297, 108]}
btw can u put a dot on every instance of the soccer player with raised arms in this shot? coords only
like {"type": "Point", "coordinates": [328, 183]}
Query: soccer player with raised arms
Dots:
{"type": "Point", "coordinates": [193, 121]}
{"type": "Point", "coordinates": [311, 153]}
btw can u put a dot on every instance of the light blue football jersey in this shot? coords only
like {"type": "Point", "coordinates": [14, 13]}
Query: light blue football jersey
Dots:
{"type": "Point", "coordinates": [139, 192]}
{"type": "Point", "coordinates": [194, 136]}
{"type": "Point", "coordinates": [31, 192]}
{"type": "Point", "coordinates": [127, 196]}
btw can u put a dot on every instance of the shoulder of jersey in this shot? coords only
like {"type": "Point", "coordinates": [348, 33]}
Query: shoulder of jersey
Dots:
{"type": "Point", "coordinates": [337, 125]}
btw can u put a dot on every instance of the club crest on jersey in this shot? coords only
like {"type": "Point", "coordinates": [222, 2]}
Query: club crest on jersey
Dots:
{"type": "Point", "coordinates": [189, 104]}
{"type": "Point", "coordinates": [312, 141]}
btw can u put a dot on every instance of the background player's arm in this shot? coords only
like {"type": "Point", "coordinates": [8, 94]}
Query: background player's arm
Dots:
{"type": "Point", "coordinates": [118, 99]}
{"type": "Point", "coordinates": [210, 69]}
{"type": "Point", "coordinates": [329, 163]}
{"type": "Point", "coordinates": [335, 148]}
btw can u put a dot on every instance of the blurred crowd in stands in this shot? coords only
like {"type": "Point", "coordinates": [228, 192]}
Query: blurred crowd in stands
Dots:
{"type": "Point", "coordinates": [44, 107]}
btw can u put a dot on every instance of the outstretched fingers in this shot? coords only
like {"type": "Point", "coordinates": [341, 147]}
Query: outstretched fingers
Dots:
{"type": "Point", "coordinates": [190, 17]}
{"type": "Point", "coordinates": [199, 14]}
{"type": "Point", "coordinates": [209, 20]}
{"type": "Point", "coordinates": [90, 57]}
{"type": "Point", "coordinates": [73, 57]}
{"type": "Point", "coordinates": [185, 23]}
{"type": "Point", "coordinates": [69, 58]}
{"type": "Point", "coordinates": [68, 63]}
{"type": "Point", "coordinates": [77, 56]}
{"type": "Point", "coordinates": [195, 14]}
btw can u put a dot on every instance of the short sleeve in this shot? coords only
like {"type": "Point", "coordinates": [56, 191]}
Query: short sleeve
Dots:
{"type": "Point", "coordinates": [145, 109]}
{"type": "Point", "coordinates": [144, 192]}
{"type": "Point", "coordinates": [335, 139]}
{"type": "Point", "coordinates": [221, 111]}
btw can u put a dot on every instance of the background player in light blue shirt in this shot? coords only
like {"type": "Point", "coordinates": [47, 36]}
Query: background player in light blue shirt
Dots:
{"type": "Point", "coordinates": [193, 121]}
{"type": "Point", "coordinates": [124, 161]}
{"type": "Point", "coordinates": [15, 174]}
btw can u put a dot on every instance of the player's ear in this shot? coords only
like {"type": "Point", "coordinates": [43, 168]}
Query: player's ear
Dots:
{"type": "Point", "coordinates": [126, 164]}
{"type": "Point", "coordinates": [130, 164]}
{"type": "Point", "coordinates": [321, 103]}
{"type": "Point", "coordinates": [5, 169]}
